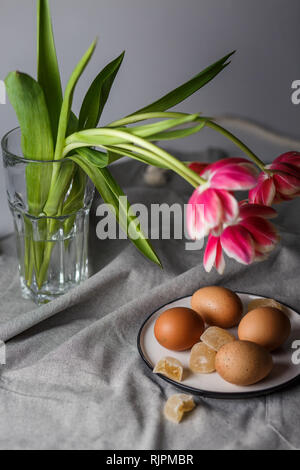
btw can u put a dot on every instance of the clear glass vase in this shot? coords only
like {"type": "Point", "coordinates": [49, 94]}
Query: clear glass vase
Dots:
{"type": "Point", "coordinates": [50, 202]}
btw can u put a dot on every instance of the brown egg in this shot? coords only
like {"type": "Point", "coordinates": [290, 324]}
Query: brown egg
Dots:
{"type": "Point", "coordinates": [178, 328]}
{"type": "Point", "coordinates": [267, 326]}
{"type": "Point", "coordinates": [243, 363]}
{"type": "Point", "coordinates": [218, 306]}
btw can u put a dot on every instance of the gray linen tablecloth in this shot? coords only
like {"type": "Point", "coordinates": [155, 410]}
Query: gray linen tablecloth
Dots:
{"type": "Point", "coordinates": [74, 378]}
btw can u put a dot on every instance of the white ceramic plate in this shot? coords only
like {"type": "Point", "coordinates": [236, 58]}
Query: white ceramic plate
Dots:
{"type": "Point", "coordinates": [285, 372]}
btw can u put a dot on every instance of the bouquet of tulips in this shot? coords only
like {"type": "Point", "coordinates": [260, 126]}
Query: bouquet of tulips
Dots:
{"type": "Point", "coordinates": [242, 229]}
{"type": "Point", "coordinates": [52, 132]}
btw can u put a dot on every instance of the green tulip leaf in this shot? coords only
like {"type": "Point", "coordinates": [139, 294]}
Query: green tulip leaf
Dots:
{"type": "Point", "coordinates": [68, 99]}
{"type": "Point", "coordinates": [113, 195]}
{"type": "Point", "coordinates": [96, 158]}
{"type": "Point", "coordinates": [48, 71]}
{"type": "Point", "coordinates": [187, 89]}
{"type": "Point", "coordinates": [28, 100]}
{"type": "Point", "coordinates": [98, 93]}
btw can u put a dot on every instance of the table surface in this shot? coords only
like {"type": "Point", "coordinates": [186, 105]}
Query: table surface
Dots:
{"type": "Point", "coordinates": [74, 378]}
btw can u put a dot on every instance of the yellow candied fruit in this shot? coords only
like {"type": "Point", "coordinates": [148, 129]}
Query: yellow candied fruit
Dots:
{"type": "Point", "coordinates": [170, 367]}
{"type": "Point", "coordinates": [256, 303]}
{"type": "Point", "coordinates": [202, 359]}
{"type": "Point", "coordinates": [177, 405]}
{"type": "Point", "coordinates": [215, 337]}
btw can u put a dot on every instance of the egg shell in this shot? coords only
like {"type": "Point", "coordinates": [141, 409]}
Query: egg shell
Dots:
{"type": "Point", "coordinates": [178, 328]}
{"type": "Point", "coordinates": [243, 363]}
{"type": "Point", "coordinates": [267, 326]}
{"type": "Point", "coordinates": [218, 306]}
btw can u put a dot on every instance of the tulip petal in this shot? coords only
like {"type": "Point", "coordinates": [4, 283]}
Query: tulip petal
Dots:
{"type": "Point", "coordinates": [210, 253]}
{"type": "Point", "coordinates": [213, 210]}
{"type": "Point", "coordinates": [257, 210]}
{"type": "Point", "coordinates": [265, 191]}
{"type": "Point", "coordinates": [216, 231]}
{"type": "Point", "coordinates": [195, 218]}
{"type": "Point", "coordinates": [237, 243]}
{"type": "Point", "coordinates": [234, 177]}
{"type": "Point", "coordinates": [283, 198]}
{"type": "Point", "coordinates": [285, 184]}
{"type": "Point", "coordinates": [220, 261]}
{"type": "Point", "coordinates": [286, 168]}
{"type": "Point", "coordinates": [198, 167]}
{"type": "Point", "coordinates": [227, 161]}
{"type": "Point", "coordinates": [213, 255]}
{"type": "Point", "coordinates": [259, 256]}
{"type": "Point", "coordinates": [263, 232]}
{"type": "Point", "coordinates": [204, 212]}
{"type": "Point", "coordinates": [292, 158]}
{"type": "Point", "coordinates": [229, 204]}
{"type": "Point", "coordinates": [208, 209]}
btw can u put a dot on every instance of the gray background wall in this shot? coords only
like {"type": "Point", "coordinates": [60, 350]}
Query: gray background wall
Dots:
{"type": "Point", "coordinates": [167, 42]}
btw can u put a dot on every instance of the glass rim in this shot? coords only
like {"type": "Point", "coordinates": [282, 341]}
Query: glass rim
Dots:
{"type": "Point", "coordinates": [22, 158]}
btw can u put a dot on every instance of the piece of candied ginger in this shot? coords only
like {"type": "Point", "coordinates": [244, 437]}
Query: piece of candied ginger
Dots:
{"type": "Point", "coordinates": [215, 337]}
{"type": "Point", "coordinates": [256, 303]}
{"type": "Point", "coordinates": [177, 405]}
{"type": "Point", "coordinates": [170, 367]}
{"type": "Point", "coordinates": [202, 359]}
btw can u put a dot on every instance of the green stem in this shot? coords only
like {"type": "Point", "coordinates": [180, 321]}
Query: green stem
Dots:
{"type": "Point", "coordinates": [52, 227]}
{"type": "Point", "coordinates": [139, 154]}
{"type": "Point", "coordinates": [28, 255]}
{"type": "Point", "coordinates": [94, 137]}
{"type": "Point", "coordinates": [238, 142]}
{"type": "Point", "coordinates": [144, 117]}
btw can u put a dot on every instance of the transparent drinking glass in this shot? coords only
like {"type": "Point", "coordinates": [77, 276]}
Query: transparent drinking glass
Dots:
{"type": "Point", "coordinates": [52, 249]}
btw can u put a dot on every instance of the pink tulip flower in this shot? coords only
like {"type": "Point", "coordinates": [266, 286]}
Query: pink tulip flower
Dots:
{"type": "Point", "coordinates": [281, 184]}
{"type": "Point", "coordinates": [212, 204]}
{"type": "Point", "coordinates": [250, 238]}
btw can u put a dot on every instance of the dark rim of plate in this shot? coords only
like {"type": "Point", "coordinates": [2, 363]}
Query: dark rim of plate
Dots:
{"type": "Point", "coordinates": [205, 393]}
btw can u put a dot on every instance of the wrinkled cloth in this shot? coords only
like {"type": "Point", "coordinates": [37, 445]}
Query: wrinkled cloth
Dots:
{"type": "Point", "coordinates": [74, 378]}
